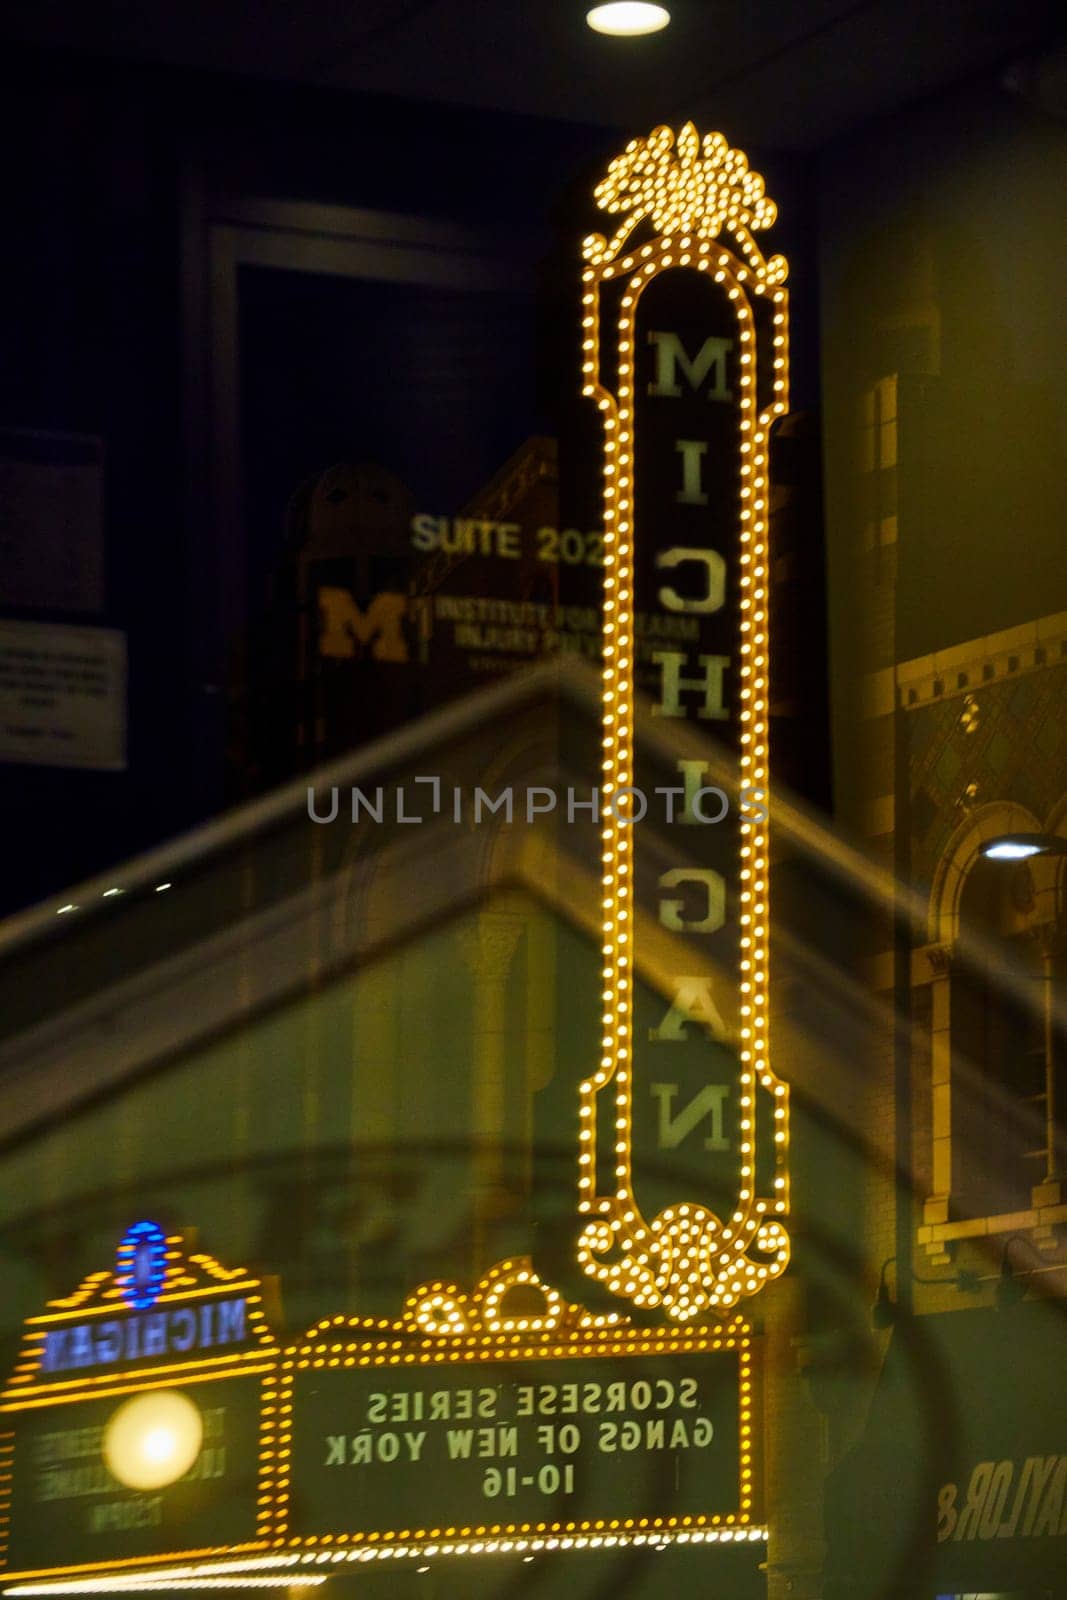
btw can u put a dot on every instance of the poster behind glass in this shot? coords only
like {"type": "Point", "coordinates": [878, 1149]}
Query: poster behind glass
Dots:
{"type": "Point", "coordinates": [401, 502]}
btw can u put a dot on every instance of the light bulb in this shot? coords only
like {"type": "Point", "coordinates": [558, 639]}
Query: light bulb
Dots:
{"type": "Point", "coordinates": [627, 19]}
{"type": "Point", "coordinates": [153, 1439]}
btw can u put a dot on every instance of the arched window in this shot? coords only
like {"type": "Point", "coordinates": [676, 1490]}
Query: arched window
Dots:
{"type": "Point", "coordinates": [997, 969]}
{"type": "Point", "coordinates": [1004, 965]}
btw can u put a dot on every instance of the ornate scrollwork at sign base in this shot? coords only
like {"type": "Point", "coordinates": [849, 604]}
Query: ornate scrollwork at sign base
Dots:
{"type": "Point", "coordinates": [683, 1260]}
{"type": "Point", "coordinates": [685, 185]}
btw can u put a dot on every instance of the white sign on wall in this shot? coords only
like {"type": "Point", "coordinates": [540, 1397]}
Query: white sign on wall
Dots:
{"type": "Point", "coordinates": [62, 695]}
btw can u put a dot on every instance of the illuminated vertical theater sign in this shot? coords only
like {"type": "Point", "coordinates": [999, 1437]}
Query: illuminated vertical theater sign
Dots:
{"type": "Point", "coordinates": [686, 357]}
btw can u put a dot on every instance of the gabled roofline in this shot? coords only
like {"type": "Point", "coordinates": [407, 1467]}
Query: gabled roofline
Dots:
{"type": "Point", "coordinates": [567, 679]}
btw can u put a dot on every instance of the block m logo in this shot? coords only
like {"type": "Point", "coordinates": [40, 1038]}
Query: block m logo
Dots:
{"type": "Point", "coordinates": [343, 626]}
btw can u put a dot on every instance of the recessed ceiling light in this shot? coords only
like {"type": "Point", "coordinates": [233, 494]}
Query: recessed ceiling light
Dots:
{"type": "Point", "coordinates": [628, 18]}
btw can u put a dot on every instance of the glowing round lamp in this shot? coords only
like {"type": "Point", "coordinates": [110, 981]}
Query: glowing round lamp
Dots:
{"type": "Point", "coordinates": [626, 19]}
{"type": "Point", "coordinates": [153, 1439]}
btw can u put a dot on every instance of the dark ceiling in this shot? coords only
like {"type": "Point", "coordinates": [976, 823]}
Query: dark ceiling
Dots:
{"type": "Point", "coordinates": [786, 73]}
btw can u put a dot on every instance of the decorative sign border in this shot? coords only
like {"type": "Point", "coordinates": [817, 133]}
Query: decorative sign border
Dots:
{"type": "Point", "coordinates": [688, 190]}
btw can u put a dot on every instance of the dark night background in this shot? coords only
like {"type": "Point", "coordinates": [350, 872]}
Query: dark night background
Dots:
{"type": "Point", "coordinates": [117, 165]}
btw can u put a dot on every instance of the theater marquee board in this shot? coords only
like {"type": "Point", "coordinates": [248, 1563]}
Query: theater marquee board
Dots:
{"type": "Point", "coordinates": [506, 1418]}
{"type": "Point", "coordinates": [468, 1424]}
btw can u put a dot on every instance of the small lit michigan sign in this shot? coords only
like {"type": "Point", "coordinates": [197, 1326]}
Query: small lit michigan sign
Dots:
{"type": "Point", "coordinates": [135, 1422]}
{"type": "Point", "coordinates": [144, 1329]}
{"type": "Point", "coordinates": [155, 1425]}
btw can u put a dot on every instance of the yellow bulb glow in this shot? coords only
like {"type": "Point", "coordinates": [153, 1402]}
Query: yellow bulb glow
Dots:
{"type": "Point", "coordinates": [153, 1439]}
